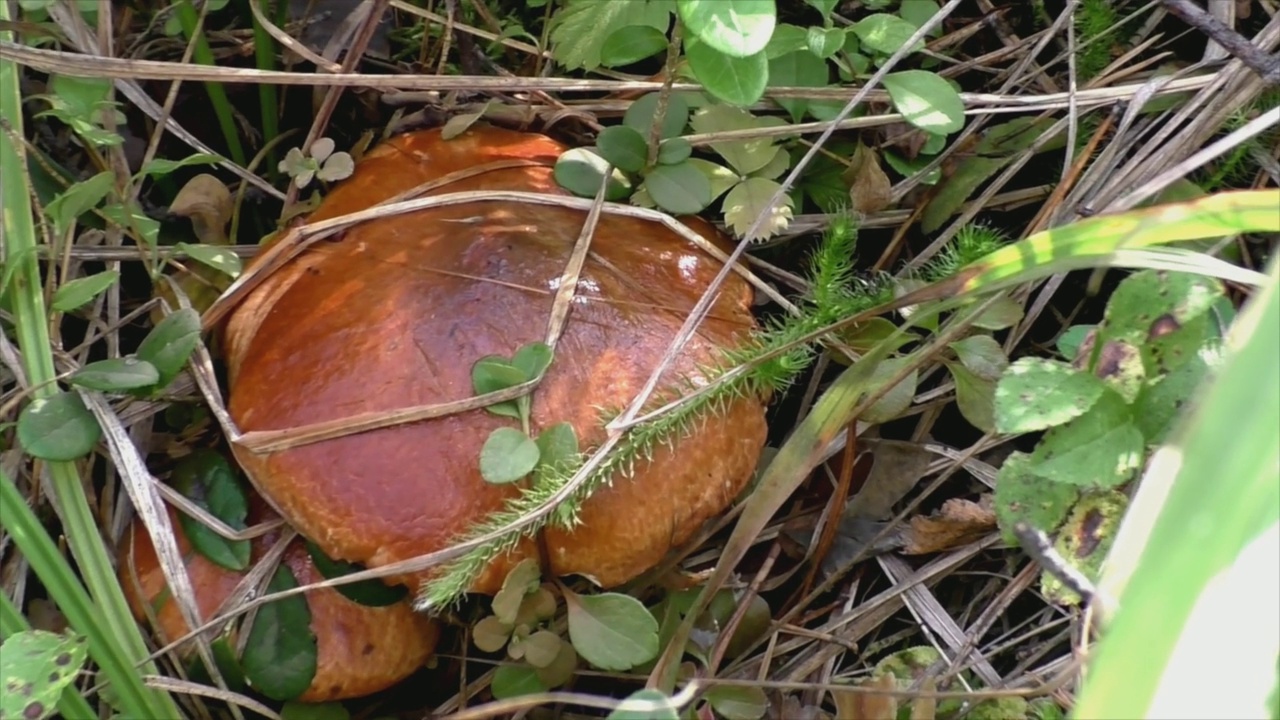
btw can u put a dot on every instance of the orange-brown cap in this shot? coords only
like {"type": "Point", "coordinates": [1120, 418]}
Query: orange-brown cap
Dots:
{"type": "Point", "coordinates": [360, 649]}
{"type": "Point", "coordinates": [394, 313]}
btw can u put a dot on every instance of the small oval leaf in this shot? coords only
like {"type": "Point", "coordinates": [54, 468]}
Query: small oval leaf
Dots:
{"type": "Point", "coordinates": [926, 100]}
{"type": "Point", "coordinates": [371, 593]}
{"type": "Point", "coordinates": [280, 656]}
{"type": "Point", "coordinates": [116, 374]}
{"type": "Point", "coordinates": [208, 480]}
{"type": "Point", "coordinates": [737, 28]}
{"type": "Point", "coordinates": [631, 44]}
{"type": "Point", "coordinates": [170, 343]}
{"type": "Point", "coordinates": [507, 456]}
{"type": "Point", "coordinates": [612, 631]}
{"type": "Point", "coordinates": [735, 80]}
{"type": "Point", "coordinates": [580, 171]}
{"type": "Point", "coordinates": [58, 427]}
{"type": "Point", "coordinates": [641, 113]}
{"type": "Point", "coordinates": [679, 189]}
{"type": "Point", "coordinates": [624, 147]}
{"type": "Point", "coordinates": [77, 293]}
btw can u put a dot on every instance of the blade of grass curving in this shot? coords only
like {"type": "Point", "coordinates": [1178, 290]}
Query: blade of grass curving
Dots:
{"type": "Point", "coordinates": [1193, 567]}
{"type": "Point", "coordinates": [26, 301]}
{"type": "Point", "coordinates": [70, 703]}
{"type": "Point", "coordinates": [87, 618]}
{"type": "Point", "coordinates": [191, 22]}
{"type": "Point", "coordinates": [1090, 242]}
{"type": "Point", "coordinates": [264, 51]}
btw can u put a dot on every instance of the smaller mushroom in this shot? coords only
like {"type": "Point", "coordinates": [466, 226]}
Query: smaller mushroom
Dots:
{"type": "Point", "coordinates": [360, 649]}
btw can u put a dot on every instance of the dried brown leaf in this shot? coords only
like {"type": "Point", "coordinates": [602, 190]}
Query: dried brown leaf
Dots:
{"type": "Point", "coordinates": [958, 522]}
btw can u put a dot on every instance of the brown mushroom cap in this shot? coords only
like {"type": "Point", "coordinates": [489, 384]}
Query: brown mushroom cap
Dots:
{"type": "Point", "coordinates": [395, 312]}
{"type": "Point", "coordinates": [360, 649]}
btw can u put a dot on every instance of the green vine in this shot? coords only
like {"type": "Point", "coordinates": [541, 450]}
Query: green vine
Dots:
{"type": "Point", "coordinates": [836, 291]}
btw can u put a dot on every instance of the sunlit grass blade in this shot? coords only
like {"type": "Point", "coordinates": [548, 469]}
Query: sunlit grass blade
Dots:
{"type": "Point", "coordinates": [1194, 569]}
{"type": "Point", "coordinates": [1092, 241]}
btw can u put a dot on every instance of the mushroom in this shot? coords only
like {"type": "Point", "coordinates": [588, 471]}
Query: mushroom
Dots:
{"type": "Point", "coordinates": [394, 313]}
{"type": "Point", "coordinates": [360, 649]}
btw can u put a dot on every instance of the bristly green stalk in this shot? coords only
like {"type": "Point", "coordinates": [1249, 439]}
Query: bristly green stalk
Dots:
{"type": "Point", "coordinates": [835, 292]}
{"type": "Point", "coordinates": [1094, 18]}
{"type": "Point", "coordinates": [1238, 164]}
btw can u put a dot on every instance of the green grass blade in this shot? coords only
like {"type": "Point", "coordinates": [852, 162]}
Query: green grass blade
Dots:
{"type": "Point", "coordinates": [1211, 504]}
{"type": "Point", "coordinates": [117, 630]}
{"type": "Point", "coordinates": [71, 704]}
{"type": "Point", "coordinates": [1092, 241]}
{"type": "Point", "coordinates": [203, 55]}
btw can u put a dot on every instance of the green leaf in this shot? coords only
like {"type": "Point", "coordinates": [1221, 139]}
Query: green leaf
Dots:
{"type": "Point", "coordinates": [747, 200]}
{"type": "Point", "coordinates": [1036, 393]}
{"type": "Point", "coordinates": [738, 702]}
{"type": "Point", "coordinates": [645, 705]}
{"type": "Point", "coordinates": [1005, 312]}
{"type": "Point", "coordinates": [892, 404]}
{"type": "Point", "coordinates": [159, 167]}
{"type": "Point", "coordinates": [611, 631]}
{"type": "Point", "coordinates": [720, 177]}
{"type": "Point", "coordinates": [35, 667]}
{"type": "Point", "coordinates": [507, 456]}
{"type": "Point", "coordinates": [1100, 449]}
{"type": "Point", "coordinates": [134, 220]}
{"type": "Point", "coordinates": [218, 258]}
{"type": "Point", "coordinates": [116, 374]}
{"type": "Point", "coordinates": [79, 199]}
{"type": "Point", "coordinates": [519, 582]}
{"type": "Point", "coordinates": [370, 593]}
{"type": "Point", "coordinates": [532, 359]}
{"type": "Point", "coordinates": [679, 189]}
{"type": "Point", "coordinates": [885, 33]}
{"type": "Point", "coordinates": [493, 373]}
{"type": "Point", "coordinates": [797, 69]}
{"type": "Point", "coordinates": [58, 427]}
{"type": "Point", "coordinates": [1084, 540]}
{"type": "Point", "coordinates": [170, 343]}
{"type": "Point", "coordinates": [1163, 400]}
{"type": "Point", "coordinates": [580, 28]}
{"type": "Point", "coordinates": [580, 171]}
{"type": "Point", "coordinates": [919, 12]}
{"type": "Point", "coordinates": [1072, 338]}
{"type": "Point", "coordinates": [975, 397]}
{"type": "Point", "coordinates": [622, 146]}
{"type": "Point", "coordinates": [787, 38]}
{"type": "Point", "coordinates": [674, 151]}
{"type": "Point", "coordinates": [736, 28]}
{"type": "Point", "coordinates": [982, 355]}
{"type": "Point", "coordinates": [511, 681]}
{"type": "Point", "coordinates": [824, 42]}
{"type": "Point", "coordinates": [208, 480]}
{"type": "Point", "coordinates": [956, 189]}
{"type": "Point", "coordinates": [294, 710]}
{"type": "Point", "coordinates": [745, 156]}
{"type": "Point", "coordinates": [280, 655]}
{"type": "Point", "coordinates": [557, 445]}
{"type": "Point", "coordinates": [735, 80]}
{"type": "Point", "coordinates": [926, 100]}
{"type": "Point", "coordinates": [1022, 496]}
{"type": "Point", "coordinates": [641, 114]}
{"type": "Point", "coordinates": [631, 44]}
{"type": "Point", "coordinates": [77, 293]}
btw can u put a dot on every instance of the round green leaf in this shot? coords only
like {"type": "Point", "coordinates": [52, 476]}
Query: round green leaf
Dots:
{"type": "Point", "coordinates": [630, 44]}
{"type": "Point", "coordinates": [557, 444]}
{"type": "Point", "coordinates": [494, 373]}
{"type": "Point", "coordinates": [35, 667]}
{"type": "Point", "coordinates": [624, 147]}
{"type": "Point", "coordinates": [641, 112]}
{"type": "Point", "coordinates": [679, 189]}
{"type": "Point", "coordinates": [824, 42]}
{"type": "Point", "coordinates": [1035, 394]}
{"type": "Point", "coordinates": [371, 593]}
{"type": "Point", "coordinates": [787, 38]}
{"type": "Point", "coordinates": [926, 100]}
{"type": "Point", "coordinates": [885, 33]}
{"type": "Point", "coordinates": [280, 655]}
{"type": "Point", "coordinates": [645, 705]}
{"type": "Point", "coordinates": [735, 80]}
{"type": "Point", "coordinates": [515, 680]}
{"type": "Point", "coordinates": [798, 69]}
{"type": "Point", "coordinates": [208, 480]}
{"type": "Point", "coordinates": [580, 171]}
{"type": "Point", "coordinates": [532, 359]}
{"type": "Point", "coordinates": [58, 427]}
{"type": "Point", "coordinates": [674, 151]}
{"type": "Point", "coordinates": [737, 28]}
{"type": "Point", "coordinates": [612, 631]}
{"type": "Point", "coordinates": [507, 456]}
{"type": "Point", "coordinates": [115, 374]}
{"type": "Point", "coordinates": [170, 343]}
{"type": "Point", "coordinates": [215, 256]}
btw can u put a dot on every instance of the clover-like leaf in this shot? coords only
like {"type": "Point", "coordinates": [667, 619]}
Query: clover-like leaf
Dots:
{"type": "Point", "coordinates": [747, 200]}
{"type": "Point", "coordinates": [507, 456]}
